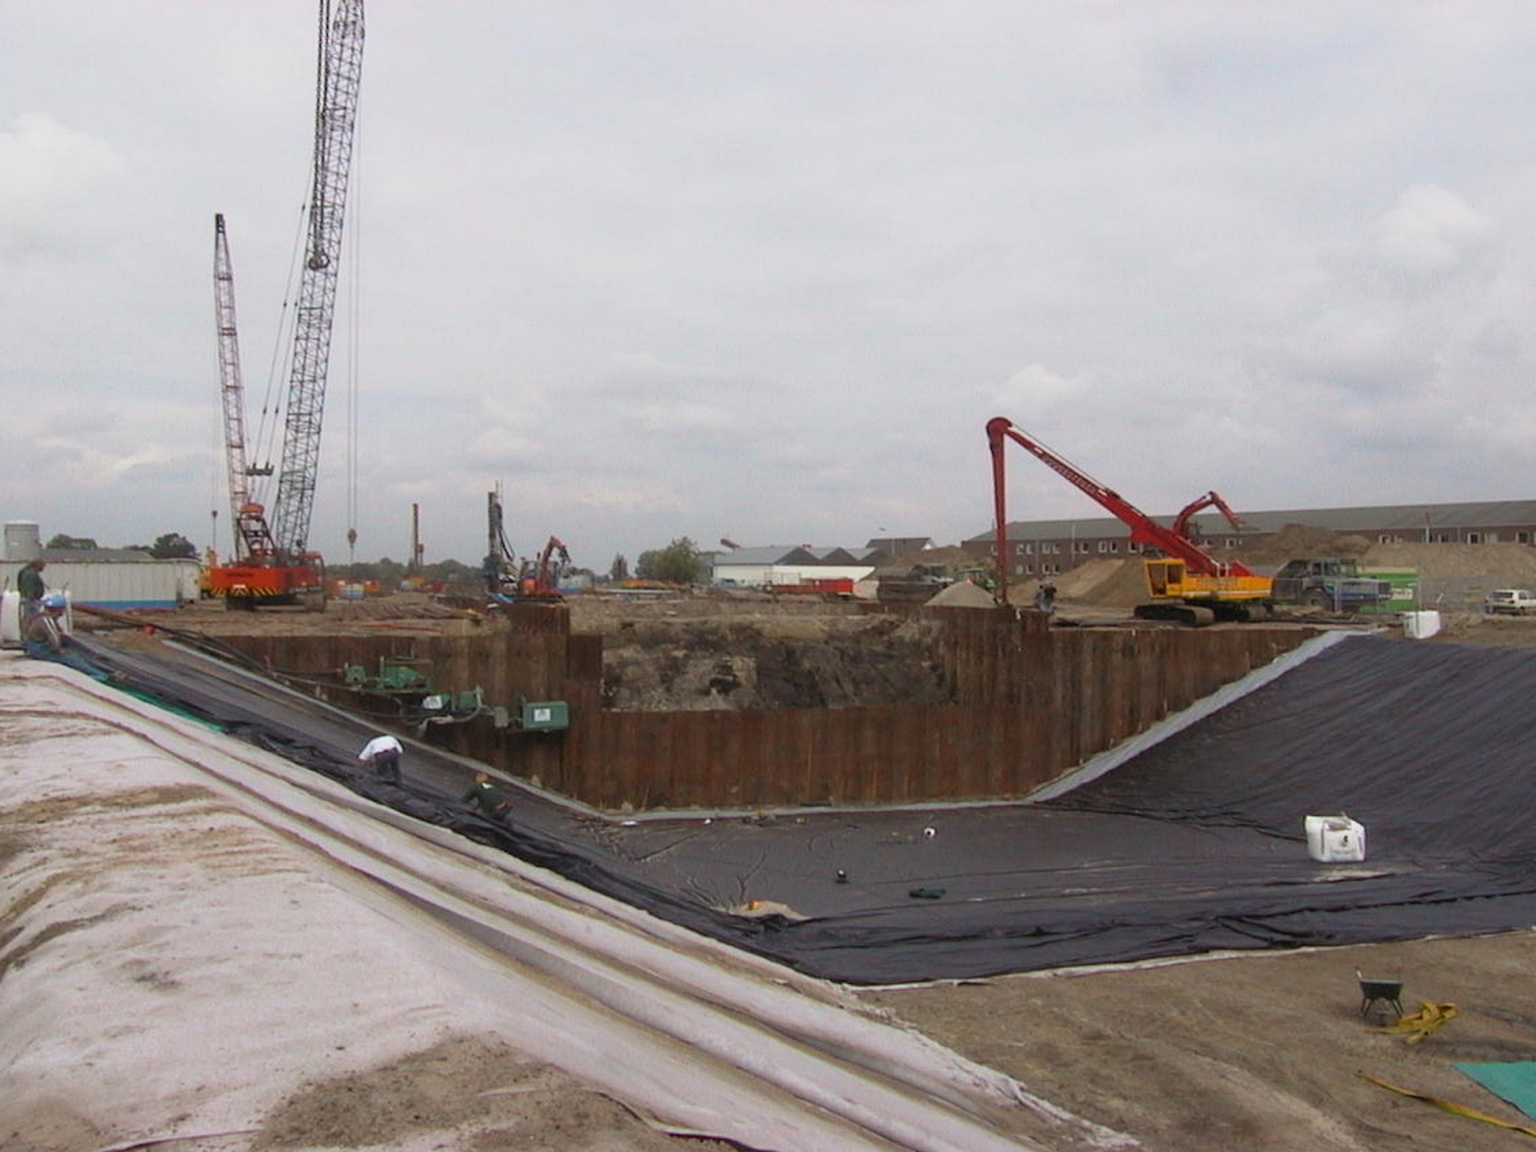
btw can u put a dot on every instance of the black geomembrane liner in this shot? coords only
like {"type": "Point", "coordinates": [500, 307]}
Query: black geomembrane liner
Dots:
{"type": "Point", "coordinates": [1195, 845]}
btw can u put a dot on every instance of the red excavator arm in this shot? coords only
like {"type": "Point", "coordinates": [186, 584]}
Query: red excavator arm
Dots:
{"type": "Point", "coordinates": [541, 581]}
{"type": "Point", "coordinates": [1144, 530]}
{"type": "Point", "coordinates": [549, 575]}
{"type": "Point", "coordinates": [1209, 500]}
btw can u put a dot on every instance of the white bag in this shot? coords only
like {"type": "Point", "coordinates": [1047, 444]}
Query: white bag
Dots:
{"type": "Point", "coordinates": [1335, 839]}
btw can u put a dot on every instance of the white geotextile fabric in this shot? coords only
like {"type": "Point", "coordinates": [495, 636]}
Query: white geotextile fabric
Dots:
{"type": "Point", "coordinates": [179, 965]}
{"type": "Point", "coordinates": [196, 971]}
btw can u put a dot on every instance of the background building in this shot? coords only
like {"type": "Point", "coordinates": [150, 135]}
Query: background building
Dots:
{"type": "Point", "coordinates": [1051, 547]}
{"type": "Point", "coordinates": [113, 578]}
{"type": "Point", "coordinates": [779, 564]}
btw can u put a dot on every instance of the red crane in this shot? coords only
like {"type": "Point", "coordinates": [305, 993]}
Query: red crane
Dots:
{"type": "Point", "coordinates": [1185, 583]}
{"type": "Point", "coordinates": [273, 561]}
{"type": "Point", "coordinates": [236, 459]}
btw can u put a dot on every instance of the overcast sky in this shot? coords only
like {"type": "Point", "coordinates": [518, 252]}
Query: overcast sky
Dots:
{"type": "Point", "coordinates": [764, 270]}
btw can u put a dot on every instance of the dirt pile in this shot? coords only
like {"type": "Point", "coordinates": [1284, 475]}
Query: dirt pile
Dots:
{"type": "Point", "coordinates": [1296, 541]}
{"type": "Point", "coordinates": [1107, 583]}
{"type": "Point", "coordinates": [467, 1084]}
{"type": "Point", "coordinates": [963, 594]}
{"type": "Point", "coordinates": [1511, 563]}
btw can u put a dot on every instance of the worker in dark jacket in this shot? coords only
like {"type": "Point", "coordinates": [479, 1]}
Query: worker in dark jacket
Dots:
{"type": "Point", "coordinates": [29, 582]}
{"type": "Point", "coordinates": [491, 800]}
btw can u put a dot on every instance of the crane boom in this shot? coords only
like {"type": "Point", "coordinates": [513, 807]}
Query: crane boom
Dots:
{"type": "Point", "coordinates": [230, 386]}
{"type": "Point", "coordinates": [1144, 530]}
{"type": "Point", "coordinates": [336, 92]}
{"type": "Point", "coordinates": [247, 520]}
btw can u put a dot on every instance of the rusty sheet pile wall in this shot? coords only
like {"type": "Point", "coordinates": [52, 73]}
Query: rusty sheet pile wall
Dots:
{"type": "Point", "coordinates": [1030, 703]}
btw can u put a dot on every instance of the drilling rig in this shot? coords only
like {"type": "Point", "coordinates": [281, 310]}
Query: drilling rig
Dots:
{"type": "Point", "coordinates": [272, 563]}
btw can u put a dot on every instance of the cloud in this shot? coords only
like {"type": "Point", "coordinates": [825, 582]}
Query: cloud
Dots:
{"type": "Point", "coordinates": [766, 270]}
{"type": "Point", "coordinates": [1431, 230]}
{"type": "Point", "coordinates": [54, 186]}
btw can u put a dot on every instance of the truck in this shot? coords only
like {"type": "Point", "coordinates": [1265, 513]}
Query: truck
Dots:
{"type": "Point", "coordinates": [1331, 584]}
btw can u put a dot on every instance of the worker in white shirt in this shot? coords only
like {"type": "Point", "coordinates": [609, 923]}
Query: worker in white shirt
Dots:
{"type": "Point", "coordinates": [383, 754]}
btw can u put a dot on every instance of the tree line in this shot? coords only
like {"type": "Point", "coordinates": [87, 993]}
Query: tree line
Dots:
{"type": "Point", "coordinates": [170, 546]}
{"type": "Point", "coordinates": [680, 562]}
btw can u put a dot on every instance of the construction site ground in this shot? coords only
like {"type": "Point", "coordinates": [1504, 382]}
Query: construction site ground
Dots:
{"type": "Point", "coordinates": [1263, 1050]}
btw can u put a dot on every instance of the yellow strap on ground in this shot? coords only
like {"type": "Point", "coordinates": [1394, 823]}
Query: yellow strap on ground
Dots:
{"type": "Point", "coordinates": [1423, 1022]}
{"type": "Point", "coordinates": [1449, 1106]}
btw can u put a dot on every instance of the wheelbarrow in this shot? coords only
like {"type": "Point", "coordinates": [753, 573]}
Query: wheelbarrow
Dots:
{"type": "Point", "coordinates": [1380, 996]}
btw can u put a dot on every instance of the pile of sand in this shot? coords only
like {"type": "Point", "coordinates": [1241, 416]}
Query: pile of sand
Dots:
{"type": "Point", "coordinates": [963, 594]}
{"type": "Point", "coordinates": [1108, 583]}
{"type": "Point", "coordinates": [1513, 562]}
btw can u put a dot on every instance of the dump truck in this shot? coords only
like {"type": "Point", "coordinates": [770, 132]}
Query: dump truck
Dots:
{"type": "Point", "coordinates": [1330, 584]}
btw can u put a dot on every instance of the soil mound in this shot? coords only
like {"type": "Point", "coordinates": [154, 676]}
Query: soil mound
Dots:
{"type": "Point", "coordinates": [1296, 541]}
{"type": "Point", "coordinates": [1107, 583]}
{"type": "Point", "coordinates": [963, 594]}
{"type": "Point", "coordinates": [1515, 563]}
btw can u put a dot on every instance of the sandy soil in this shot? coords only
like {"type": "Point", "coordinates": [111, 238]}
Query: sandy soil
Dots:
{"type": "Point", "coordinates": [493, 1097]}
{"type": "Point", "coordinates": [143, 916]}
{"type": "Point", "coordinates": [1258, 1051]}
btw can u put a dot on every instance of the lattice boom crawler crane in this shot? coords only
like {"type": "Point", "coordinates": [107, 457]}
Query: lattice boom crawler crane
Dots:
{"type": "Point", "coordinates": [273, 563]}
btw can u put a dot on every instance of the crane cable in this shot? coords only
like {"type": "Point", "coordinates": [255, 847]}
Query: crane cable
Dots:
{"type": "Point", "coordinates": [354, 315]}
{"type": "Point", "coordinates": [264, 445]}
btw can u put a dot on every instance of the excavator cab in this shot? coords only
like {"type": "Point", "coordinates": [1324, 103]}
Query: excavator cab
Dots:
{"type": "Point", "coordinates": [1165, 578]}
